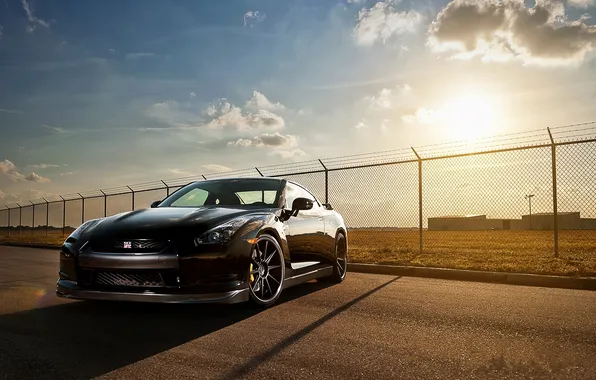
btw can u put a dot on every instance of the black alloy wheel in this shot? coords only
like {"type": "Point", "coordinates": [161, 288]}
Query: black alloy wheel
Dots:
{"type": "Point", "coordinates": [266, 271]}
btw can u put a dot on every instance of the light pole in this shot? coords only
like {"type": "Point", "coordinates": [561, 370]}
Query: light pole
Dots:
{"type": "Point", "coordinates": [529, 198]}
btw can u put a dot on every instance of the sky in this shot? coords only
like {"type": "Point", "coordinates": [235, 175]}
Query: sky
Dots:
{"type": "Point", "coordinates": [97, 94]}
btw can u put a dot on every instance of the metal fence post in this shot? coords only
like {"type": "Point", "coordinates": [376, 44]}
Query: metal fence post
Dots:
{"type": "Point", "coordinates": [8, 220]}
{"type": "Point", "coordinates": [63, 214]}
{"type": "Point", "coordinates": [47, 215]}
{"type": "Point", "coordinates": [167, 188]}
{"type": "Point", "coordinates": [133, 198]}
{"type": "Point", "coordinates": [82, 208]}
{"type": "Point", "coordinates": [20, 218]}
{"type": "Point", "coordinates": [419, 195]}
{"type": "Point", "coordinates": [326, 181]}
{"type": "Point", "coordinates": [105, 203]}
{"type": "Point", "coordinates": [32, 217]}
{"type": "Point", "coordinates": [553, 148]}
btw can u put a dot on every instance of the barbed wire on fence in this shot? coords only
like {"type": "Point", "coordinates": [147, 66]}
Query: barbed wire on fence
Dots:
{"type": "Point", "coordinates": [527, 139]}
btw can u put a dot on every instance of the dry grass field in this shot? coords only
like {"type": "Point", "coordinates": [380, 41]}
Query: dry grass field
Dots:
{"type": "Point", "coordinates": [509, 251]}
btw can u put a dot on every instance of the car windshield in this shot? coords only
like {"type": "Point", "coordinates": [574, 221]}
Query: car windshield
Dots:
{"type": "Point", "coordinates": [230, 192]}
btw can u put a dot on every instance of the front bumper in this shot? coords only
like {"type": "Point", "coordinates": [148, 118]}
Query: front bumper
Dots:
{"type": "Point", "coordinates": [69, 289]}
{"type": "Point", "coordinates": [215, 274]}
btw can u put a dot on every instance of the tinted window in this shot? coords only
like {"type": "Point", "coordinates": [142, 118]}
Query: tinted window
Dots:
{"type": "Point", "coordinates": [193, 198]}
{"type": "Point", "coordinates": [256, 197]}
{"type": "Point", "coordinates": [226, 192]}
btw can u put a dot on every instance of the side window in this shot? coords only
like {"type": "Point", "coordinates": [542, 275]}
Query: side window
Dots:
{"type": "Point", "coordinates": [259, 197]}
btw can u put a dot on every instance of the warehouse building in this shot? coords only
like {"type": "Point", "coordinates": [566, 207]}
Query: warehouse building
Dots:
{"type": "Point", "coordinates": [470, 223]}
{"type": "Point", "coordinates": [538, 221]}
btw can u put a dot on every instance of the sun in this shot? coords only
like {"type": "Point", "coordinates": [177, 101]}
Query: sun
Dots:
{"type": "Point", "coordinates": [469, 116]}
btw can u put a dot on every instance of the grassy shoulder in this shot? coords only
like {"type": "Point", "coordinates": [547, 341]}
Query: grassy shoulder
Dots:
{"type": "Point", "coordinates": [503, 251]}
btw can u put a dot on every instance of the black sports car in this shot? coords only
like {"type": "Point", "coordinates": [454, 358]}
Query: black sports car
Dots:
{"type": "Point", "coordinates": [222, 241]}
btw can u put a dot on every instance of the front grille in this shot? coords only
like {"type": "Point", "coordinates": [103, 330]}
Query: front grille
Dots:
{"type": "Point", "coordinates": [140, 279]}
{"type": "Point", "coordinates": [130, 245]}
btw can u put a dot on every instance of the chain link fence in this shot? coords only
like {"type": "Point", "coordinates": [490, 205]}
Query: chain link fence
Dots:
{"type": "Point", "coordinates": [531, 193]}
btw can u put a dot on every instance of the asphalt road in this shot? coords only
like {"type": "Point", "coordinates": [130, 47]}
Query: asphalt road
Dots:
{"type": "Point", "coordinates": [369, 327]}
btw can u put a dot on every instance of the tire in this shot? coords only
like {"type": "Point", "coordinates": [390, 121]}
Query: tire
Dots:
{"type": "Point", "coordinates": [266, 271]}
{"type": "Point", "coordinates": [340, 264]}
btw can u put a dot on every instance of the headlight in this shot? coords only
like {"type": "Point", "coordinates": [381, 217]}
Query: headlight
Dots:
{"type": "Point", "coordinates": [84, 227]}
{"type": "Point", "coordinates": [222, 233]}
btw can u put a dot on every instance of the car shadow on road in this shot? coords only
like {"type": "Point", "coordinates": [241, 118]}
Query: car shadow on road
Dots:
{"type": "Point", "coordinates": [87, 339]}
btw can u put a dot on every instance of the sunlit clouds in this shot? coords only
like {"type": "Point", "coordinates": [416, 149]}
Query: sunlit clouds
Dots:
{"type": "Point", "coordinates": [9, 169]}
{"type": "Point", "coordinates": [218, 88]}
{"type": "Point", "coordinates": [508, 30]}
{"type": "Point", "coordinates": [252, 17]}
{"type": "Point", "coordinates": [383, 21]}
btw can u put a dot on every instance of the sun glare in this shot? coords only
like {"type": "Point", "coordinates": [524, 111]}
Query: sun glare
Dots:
{"type": "Point", "coordinates": [469, 116]}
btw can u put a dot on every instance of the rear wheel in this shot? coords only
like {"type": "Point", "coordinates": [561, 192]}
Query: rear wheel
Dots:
{"type": "Point", "coordinates": [340, 266]}
{"type": "Point", "coordinates": [266, 271]}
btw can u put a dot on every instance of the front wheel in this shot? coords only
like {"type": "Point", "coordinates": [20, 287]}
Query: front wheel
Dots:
{"type": "Point", "coordinates": [266, 271]}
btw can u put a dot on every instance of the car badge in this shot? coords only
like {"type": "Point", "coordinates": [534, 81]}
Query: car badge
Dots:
{"type": "Point", "coordinates": [127, 244]}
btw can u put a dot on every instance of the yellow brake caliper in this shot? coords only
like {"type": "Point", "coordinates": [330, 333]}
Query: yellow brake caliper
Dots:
{"type": "Point", "coordinates": [252, 276]}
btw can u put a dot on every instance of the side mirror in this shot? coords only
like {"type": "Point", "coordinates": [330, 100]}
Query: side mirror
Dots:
{"type": "Point", "coordinates": [155, 204]}
{"type": "Point", "coordinates": [301, 204]}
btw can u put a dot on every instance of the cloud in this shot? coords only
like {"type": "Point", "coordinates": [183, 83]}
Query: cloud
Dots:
{"type": "Point", "coordinates": [260, 101]}
{"type": "Point", "coordinates": [34, 22]}
{"type": "Point", "coordinates": [33, 177]}
{"type": "Point", "coordinates": [216, 168]}
{"type": "Point", "coordinates": [131, 56]}
{"type": "Point", "coordinates": [361, 125]}
{"type": "Point", "coordinates": [10, 170]}
{"type": "Point", "coordinates": [276, 140]}
{"type": "Point", "coordinates": [421, 116]}
{"type": "Point", "coordinates": [383, 21]}
{"type": "Point", "coordinates": [252, 17]}
{"type": "Point", "coordinates": [507, 30]}
{"type": "Point", "coordinates": [55, 129]}
{"type": "Point", "coordinates": [228, 115]}
{"type": "Point", "coordinates": [218, 115]}
{"type": "Point", "coordinates": [16, 112]}
{"type": "Point", "coordinates": [287, 154]}
{"type": "Point", "coordinates": [44, 166]}
{"type": "Point", "coordinates": [68, 173]}
{"type": "Point", "coordinates": [581, 3]}
{"type": "Point", "coordinates": [387, 98]}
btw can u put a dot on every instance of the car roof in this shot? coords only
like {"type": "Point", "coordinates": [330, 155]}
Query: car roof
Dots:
{"type": "Point", "coordinates": [240, 178]}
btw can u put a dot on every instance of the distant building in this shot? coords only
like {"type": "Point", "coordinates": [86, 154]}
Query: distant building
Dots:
{"type": "Point", "coordinates": [467, 223]}
{"type": "Point", "coordinates": [539, 221]}
{"type": "Point", "coordinates": [565, 221]}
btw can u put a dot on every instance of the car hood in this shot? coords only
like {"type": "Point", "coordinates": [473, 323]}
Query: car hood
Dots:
{"type": "Point", "coordinates": [167, 222]}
